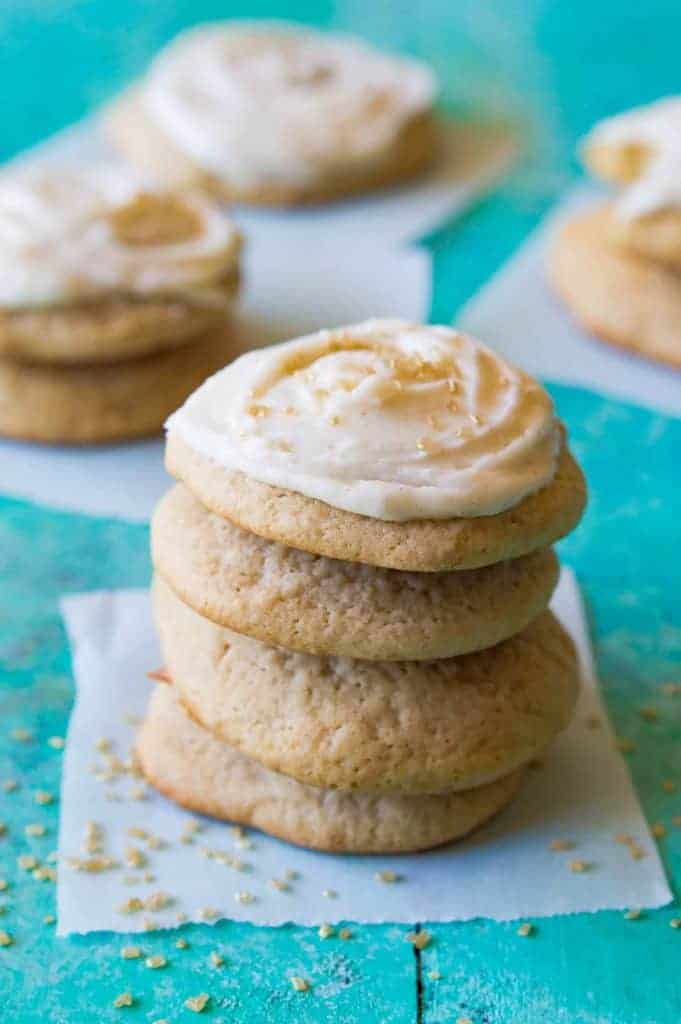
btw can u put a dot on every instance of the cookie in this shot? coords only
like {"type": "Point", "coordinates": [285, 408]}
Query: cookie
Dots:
{"type": "Point", "coordinates": [95, 267]}
{"type": "Point", "coordinates": [423, 545]}
{"type": "Point", "coordinates": [320, 605]}
{"type": "Point", "coordinates": [617, 295]}
{"type": "Point", "coordinates": [373, 726]}
{"type": "Point", "coordinates": [639, 151]}
{"type": "Point", "coordinates": [110, 329]}
{"type": "Point", "coordinates": [103, 403]}
{"type": "Point", "coordinates": [187, 764]}
{"type": "Point", "coordinates": [276, 115]}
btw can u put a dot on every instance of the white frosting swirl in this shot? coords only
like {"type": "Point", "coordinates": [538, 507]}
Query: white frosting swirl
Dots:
{"type": "Point", "coordinates": [256, 103]}
{"type": "Point", "coordinates": [59, 243]}
{"type": "Point", "coordinates": [656, 128]}
{"type": "Point", "coordinates": [388, 419]}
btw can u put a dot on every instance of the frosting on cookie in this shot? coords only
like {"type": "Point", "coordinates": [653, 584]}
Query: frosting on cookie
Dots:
{"type": "Point", "coordinates": [68, 234]}
{"type": "Point", "coordinates": [260, 103]}
{"type": "Point", "coordinates": [388, 419]}
{"type": "Point", "coordinates": [655, 129]}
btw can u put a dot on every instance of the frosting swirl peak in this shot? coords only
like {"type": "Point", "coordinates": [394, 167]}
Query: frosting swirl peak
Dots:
{"type": "Point", "coordinates": [387, 419]}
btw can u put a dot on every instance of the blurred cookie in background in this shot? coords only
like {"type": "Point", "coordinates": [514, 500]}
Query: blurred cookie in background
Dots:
{"type": "Point", "coordinates": [618, 266]}
{"type": "Point", "coordinates": [116, 301]}
{"type": "Point", "coordinates": [270, 113]}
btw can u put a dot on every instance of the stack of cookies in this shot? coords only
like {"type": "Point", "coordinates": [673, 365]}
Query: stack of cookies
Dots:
{"type": "Point", "coordinates": [352, 580]}
{"type": "Point", "coordinates": [115, 303]}
{"type": "Point", "coordinates": [619, 266]}
{"type": "Point", "coordinates": [270, 113]}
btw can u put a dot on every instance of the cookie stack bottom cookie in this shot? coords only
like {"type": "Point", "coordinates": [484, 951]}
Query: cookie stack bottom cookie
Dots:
{"type": "Point", "coordinates": [340, 705]}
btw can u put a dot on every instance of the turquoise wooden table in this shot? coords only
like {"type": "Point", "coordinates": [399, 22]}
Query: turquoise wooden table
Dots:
{"type": "Point", "coordinates": [561, 65]}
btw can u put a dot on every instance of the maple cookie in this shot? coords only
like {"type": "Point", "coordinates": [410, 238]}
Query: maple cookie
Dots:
{"type": "Point", "coordinates": [271, 113]}
{"type": "Point", "coordinates": [395, 444]}
{"type": "Point", "coordinates": [373, 726]}
{"type": "Point", "coordinates": [101, 403]}
{"type": "Point", "coordinates": [618, 267]}
{"type": "Point", "coordinates": [95, 268]}
{"type": "Point", "coordinates": [306, 602]}
{"type": "Point", "coordinates": [640, 151]}
{"type": "Point", "coordinates": [622, 298]}
{"type": "Point", "coordinates": [189, 765]}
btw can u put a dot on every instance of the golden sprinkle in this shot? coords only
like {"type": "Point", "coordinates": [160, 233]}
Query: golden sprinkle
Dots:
{"type": "Point", "coordinates": [244, 897]}
{"type": "Point", "coordinates": [299, 984]}
{"type": "Point", "coordinates": [135, 832]}
{"type": "Point", "coordinates": [325, 931]}
{"type": "Point", "coordinates": [649, 713]}
{"type": "Point", "coordinates": [157, 901]}
{"type": "Point", "coordinates": [92, 865]}
{"type": "Point", "coordinates": [675, 922]}
{"type": "Point", "coordinates": [131, 952]}
{"type": "Point", "coordinates": [624, 745]}
{"type": "Point", "coordinates": [180, 917]}
{"type": "Point", "coordinates": [216, 960]}
{"type": "Point", "coordinates": [561, 844]}
{"type": "Point", "coordinates": [632, 915]}
{"type": "Point", "coordinates": [330, 894]}
{"type": "Point", "coordinates": [197, 1003]}
{"type": "Point", "coordinates": [434, 975]}
{"type": "Point", "coordinates": [344, 933]}
{"type": "Point", "coordinates": [290, 875]}
{"type": "Point", "coordinates": [208, 913]}
{"type": "Point", "coordinates": [4, 884]}
{"type": "Point", "coordinates": [43, 797]}
{"type": "Point", "coordinates": [149, 925]}
{"type": "Point", "coordinates": [10, 785]}
{"type": "Point", "coordinates": [5, 939]}
{"type": "Point", "coordinates": [637, 853]}
{"type": "Point", "coordinates": [671, 689]}
{"type": "Point", "coordinates": [3, 828]}
{"type": "Point", "coordinates": [155, 843]}
{"type": "Point", "coordinates": [659, 830]}
{"type": "Point", "coordinates": [56, 742]}
{"type": "Point", "coordinates": [419, 939]}
{"type": "Point", "coordinates": [21, 735]}
{"type": "Point", "coordinates": [334, 420]}
{"type": "Point", "coordinates": [525, 929]}
{"type": "Point", "coordinates": [624, 838]}
{"type": "Point", "coordinates": [49, 919]}
{"type": "Point", "coordinates": [103, 745]}
{"type": "Point", "coordinates": [386, 876]}
{"type": "Point", "coordinates": [451, 385]}
{"type": "Point", "coordinates": [132, 906]}
{"type": "Point", "coordinates": [280, 885]}
{"type": "Point", "coordinates": [669, 785]}
{"type": "Point", "coordinates": [154, 962]}
{"type": "Point", "coordinates": [134, 857]}
{"type": "Point", "coordinates": [578, 867]}
{"type": "Point", "coordinates": [27, 862]}
{"type": "Point", "coordinates": [124, 999]}
{"type": "Point", "coordinates": [35, 829]}
{"type": "Point", "coordinates": [181, 944]}
{"type": "Point", "coordinates": [44, 874]}
{"type": "Point", "coordinates": [464, 1020]}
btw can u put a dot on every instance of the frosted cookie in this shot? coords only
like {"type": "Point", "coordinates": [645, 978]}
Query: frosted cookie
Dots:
{"type": "Point", "coordinates": [306, 602]}
{"type": "Point", "coordinates": [390, 443]}
{"type": "Point", "coordinates": [277, 114]}
{"type": "Point", "coordinates": [187, 764]}
{"type": "Point", "coordinates": [373, 726]}
{"type": "Point", "coordinates": [640, 150]}
{"type": "Point", "coordinates": [93, 268]}
{"type": "Point", "coordinates": [617, 295]}
{"type": "Point", "coordinates": [101, 403]}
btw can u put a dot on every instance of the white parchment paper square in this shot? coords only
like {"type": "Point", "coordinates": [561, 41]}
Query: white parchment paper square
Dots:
{"type": "Point", "coordinates": [582, 792]}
